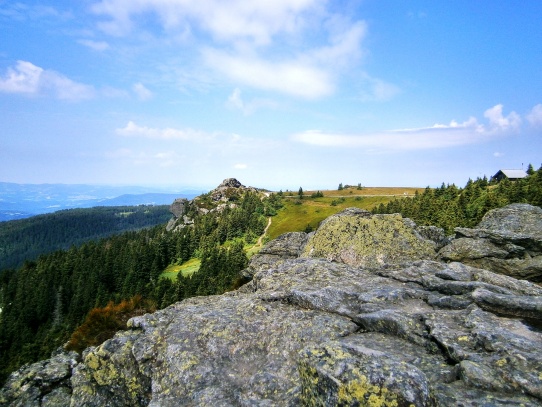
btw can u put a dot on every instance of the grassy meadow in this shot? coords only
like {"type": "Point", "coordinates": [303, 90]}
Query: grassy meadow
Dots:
{"type": "Point", "coordinates": [297, 213]}
{"type": "Point", "coordinates": [187, 269]}
{"type": "Point", "coordinates": [301, 214]}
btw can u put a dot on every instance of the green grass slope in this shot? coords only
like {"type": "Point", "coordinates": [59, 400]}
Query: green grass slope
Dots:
{"type": "Point", "coordinates": [307, 213]}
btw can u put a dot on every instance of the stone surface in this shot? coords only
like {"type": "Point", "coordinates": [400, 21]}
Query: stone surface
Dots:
{"type": "Point", "coordinates": [46, 383]}
{"type": "Point", "coordinates": [287, 246]}
{"type": "Point", "coordinates": [315, 332]}
{"type": "Point", "coordinates": [507, 240]}
{"type": "Point", "coordinates": [179, 207]}
{"type": "Point", "coordinates": [358, 238]}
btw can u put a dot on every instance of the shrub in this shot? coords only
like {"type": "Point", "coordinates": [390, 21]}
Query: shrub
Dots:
{"type": "Point", "coordinates": [102, 323]}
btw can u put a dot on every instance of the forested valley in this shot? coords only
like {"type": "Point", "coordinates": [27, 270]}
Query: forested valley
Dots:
{"type": "Point", "coordinates": [28, 238]}
{"type": "Point", "coordinates": [98, 285]}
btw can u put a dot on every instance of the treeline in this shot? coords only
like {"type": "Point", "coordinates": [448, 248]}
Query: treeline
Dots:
{"type": "Point", "coordinates": [44, 301]}
{"type": "Point", "coordinates": [28, 238]}
{"type": "Point", "coordinates": [449, 207]}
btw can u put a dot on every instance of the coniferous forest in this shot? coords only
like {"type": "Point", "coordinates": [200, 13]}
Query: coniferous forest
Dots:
{"type": "Point", "coordinates": [82, 295]}
{"type": "Point", "coordinates": [25, 239]}
{"type": "Point", "coordinates": [98, 285]}
{"type": "Point", "coordinates": [449, 207]}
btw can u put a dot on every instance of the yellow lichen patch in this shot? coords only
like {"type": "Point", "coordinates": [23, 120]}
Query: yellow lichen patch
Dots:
{"type": "Point", "coordinates": [463, 338]}
{"type": "Point", "coordinates": [540, 376]}
{"type": "Point", "coordinates": [501, 362]}
{"type": "Point", "coordinates": [366, 394]}
{"type": "Point", "coordinates": [106, 374]}
{"type": "Point", "coordinates": [190, 361]}
{"type": "Point", "coordinates": [92, 361]}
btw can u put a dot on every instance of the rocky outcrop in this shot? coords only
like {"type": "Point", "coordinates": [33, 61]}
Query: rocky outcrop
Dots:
{"type": "Point", "coordinates": [310, 331]}
{"type": "Point", "coordinates": [226, 190]}
{"type": "Point", "coordinates": [217, 200]}
{"type": "Point", "coordinates": [46, 383]}
{"type": "Point", "coordinates": [287, 246]}
{"type": "Point", "coordinates": [229, 189]}
{"type": "Point", "coordinates": [179, 207]}
{"type": "Point", "coordinates": [358, 238]}
{"type": "Point", "coordinates": [507, 240]}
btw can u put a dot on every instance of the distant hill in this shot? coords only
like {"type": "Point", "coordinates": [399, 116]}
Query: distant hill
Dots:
{"type": "Point", "coordinates": [18, 201]}
{"type": "Point", "coordinates": [26, 239]}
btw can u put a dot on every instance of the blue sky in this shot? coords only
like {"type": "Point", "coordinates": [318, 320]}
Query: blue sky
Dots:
{"type": "Point", "coordinates": [277, 93]}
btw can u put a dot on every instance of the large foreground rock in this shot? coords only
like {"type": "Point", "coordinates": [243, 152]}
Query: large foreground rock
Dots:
{"type": "Point", "coordinates": [507, 240]}
{"type": "Point", "coordinates": [314, 332]}
{"type": "Point", "coordinates": [358, 238]}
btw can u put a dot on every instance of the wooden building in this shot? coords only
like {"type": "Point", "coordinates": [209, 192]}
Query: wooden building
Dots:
{"type": "Point", "coordinates": [512, 175]}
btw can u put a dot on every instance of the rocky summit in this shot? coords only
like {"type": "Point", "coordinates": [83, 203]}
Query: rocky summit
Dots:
{"type": "Point", "coordinates": [365, 311]}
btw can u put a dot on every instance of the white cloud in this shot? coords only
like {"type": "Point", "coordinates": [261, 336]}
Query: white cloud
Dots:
{"type": "Point", "coordinates": [133, 130]}
{"type": "Point", "coordinates": [27, 78]}
{"type": "Point", "coordinates": [240, 166]}
{"type": "Point", "coordinates": [257, 21]}
{"type": "Point", "coordinates": [498, 154]}
{"type": "Point", "coordinates": [437, 136]}
{"type": "Point", "coordinates": [95, 45]}
{"type": "Point", "coordinates": [344, 42]}
{"type": "Point", "coordinates": [295, 47]}
{"type": "Point", "coordinates": [141, 91]}
{"type": "Point", "coordinates": [498, 122]}
{"type": "Point", "coordinates": [535, 116]}
{"type": "Point", "coordinates": [290, 77]}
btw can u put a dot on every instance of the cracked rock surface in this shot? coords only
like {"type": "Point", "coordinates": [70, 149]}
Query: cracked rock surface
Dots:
{"type": "Point", "coordinates": [314, 332]}
{"type": "Point", "coordinates": [508, 241]}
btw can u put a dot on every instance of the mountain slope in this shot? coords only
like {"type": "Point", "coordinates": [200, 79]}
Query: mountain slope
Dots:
{"type": "Point", "coordinates": [26, 239]}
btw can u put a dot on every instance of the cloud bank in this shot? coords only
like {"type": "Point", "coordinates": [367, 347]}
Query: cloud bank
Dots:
{"type": "Point", "coordinates": [437, 136]}
{"type": "Point", "coordinates": [271, 46]}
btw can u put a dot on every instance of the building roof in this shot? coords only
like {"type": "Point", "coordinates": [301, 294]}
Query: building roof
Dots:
{"type": "Point", "coordinates": [514, 174]}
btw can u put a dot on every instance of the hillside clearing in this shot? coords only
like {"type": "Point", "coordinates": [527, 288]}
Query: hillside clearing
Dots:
{"type": "Point", "coordinates": [307, 213]}
{"type": "Point", "coordinates": [187, 269]}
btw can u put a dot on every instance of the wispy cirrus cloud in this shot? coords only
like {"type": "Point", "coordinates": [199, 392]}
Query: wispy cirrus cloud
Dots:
{"type": "Point", "coordinates": [268, 46]}
{"type": "Point", "coordinates": [235, 101]}
{"type": "Point", "coordinates": [95, 45]}
{"type": "Point", "coordinates": [29, 79]}
{"type": "Point", "coordinates": [255, 21]}
{"type": "Point", "coordinates": [437, 136]}
{"type": "Point", "coordinates": [141, 91]}
{"type": "Point", "coordinates": [144, 158]}
{"type": "Point", "coordinates": [23, 12]}
{"type": "Point", "coordinates": [133, 130]}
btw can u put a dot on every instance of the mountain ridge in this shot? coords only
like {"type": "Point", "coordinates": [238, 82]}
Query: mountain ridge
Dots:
{"type": "Point", "coordinates": [18, 201]}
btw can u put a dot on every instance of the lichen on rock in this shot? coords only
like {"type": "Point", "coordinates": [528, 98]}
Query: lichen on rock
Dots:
{"type": "Point", "coordinates": [357, 238]}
